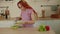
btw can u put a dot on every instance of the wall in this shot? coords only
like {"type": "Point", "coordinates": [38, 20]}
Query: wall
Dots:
{"type": "Point", "coordinates": [14, 10]}
{"type": "Point", "coordinates": [36, 4]}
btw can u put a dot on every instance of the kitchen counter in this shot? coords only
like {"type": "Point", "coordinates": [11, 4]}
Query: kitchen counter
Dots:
{"type": "Point", "coordinates": [40, 18]}
{"type": "Point", "coordinates": [24, 31]}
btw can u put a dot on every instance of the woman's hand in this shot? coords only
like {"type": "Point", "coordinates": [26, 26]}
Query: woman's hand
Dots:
{"type": "Point", "coordinates": [18, 18]}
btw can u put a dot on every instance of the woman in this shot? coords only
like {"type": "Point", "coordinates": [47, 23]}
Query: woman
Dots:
{"type": "Point", "coordinates": [26, 12]}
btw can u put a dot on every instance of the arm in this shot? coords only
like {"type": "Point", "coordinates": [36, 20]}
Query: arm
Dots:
{"type": "Point", "coordinates": [34, 16]}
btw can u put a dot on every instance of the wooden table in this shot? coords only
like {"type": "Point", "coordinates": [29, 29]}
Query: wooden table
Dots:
{"type": "Point", "coordinates": [24, 31]}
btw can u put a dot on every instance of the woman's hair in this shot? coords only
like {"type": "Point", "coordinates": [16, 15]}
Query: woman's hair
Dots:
{"type": "Point", "coordinates": [25, 5]}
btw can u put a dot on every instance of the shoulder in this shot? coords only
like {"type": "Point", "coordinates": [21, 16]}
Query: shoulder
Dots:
{"type": "Point", "coordinates": [30, 10]}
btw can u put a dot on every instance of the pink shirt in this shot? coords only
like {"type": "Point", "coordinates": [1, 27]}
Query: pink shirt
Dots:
{"type": "Point", "coordinates": [26, 15]}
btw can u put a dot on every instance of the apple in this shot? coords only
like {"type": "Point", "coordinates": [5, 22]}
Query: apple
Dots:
{"type": "Point", "coordinates": [47, 28]}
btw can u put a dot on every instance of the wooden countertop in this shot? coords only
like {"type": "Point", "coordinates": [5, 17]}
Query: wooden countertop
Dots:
{"type": "Point", "coordinates": [24, 31]}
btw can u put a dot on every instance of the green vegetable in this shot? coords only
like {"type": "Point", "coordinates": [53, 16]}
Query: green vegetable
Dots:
{"type": "Point", "coordinates": [42, 28]}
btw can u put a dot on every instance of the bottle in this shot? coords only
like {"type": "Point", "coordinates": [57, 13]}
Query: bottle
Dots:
{"type": "Point", "coordinates": [43, 13]}
{"type": "Point", "coordinates": [7, 13]}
